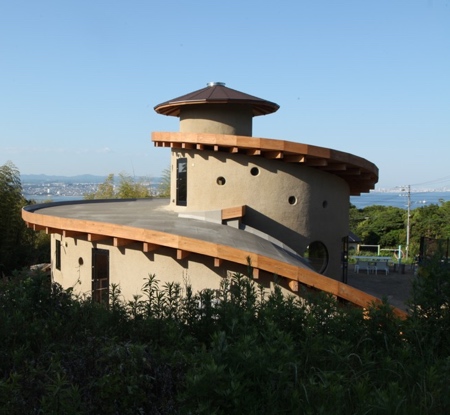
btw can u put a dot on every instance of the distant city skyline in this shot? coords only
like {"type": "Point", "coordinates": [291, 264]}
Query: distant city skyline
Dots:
{"type": "Point", "coordinates": [80, 80]}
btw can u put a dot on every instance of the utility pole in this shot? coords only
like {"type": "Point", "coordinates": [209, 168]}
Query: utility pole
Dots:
{"type": "Point", "coordinates": [407, 221]}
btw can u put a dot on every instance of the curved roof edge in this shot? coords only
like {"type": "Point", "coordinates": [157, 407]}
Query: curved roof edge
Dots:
{"type": "Point", "coordinates": [216, 93]}
{"type": "Point", "coordinates": [360, 174]}
{"type": "Point", "coordinates": [150, 238]}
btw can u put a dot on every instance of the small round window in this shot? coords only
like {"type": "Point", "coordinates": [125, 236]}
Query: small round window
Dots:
{"type": "Point", "coordinates": [324, 204]}
{"type": "Point", "coordinates": [254, 171]}
{"type": "Point", "coordinates": [317, 256]}
{"type": "Point", "coordinates": [221, 181]}
{"type": "Point", "coordinates": [292, 200]}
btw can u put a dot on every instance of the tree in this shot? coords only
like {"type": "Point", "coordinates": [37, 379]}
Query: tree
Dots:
{"type": "Point", "coordinates": [127, 188]}
{"type": "Point", "coordinates": [19, 246]}
{"type": "Point", "coordinates": [379, 225]}
{"type": "Point", "coordinates": [164, 187]}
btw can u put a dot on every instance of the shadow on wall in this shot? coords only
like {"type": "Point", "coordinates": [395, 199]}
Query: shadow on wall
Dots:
{"type": "Point", "coordinates": [275, 229]}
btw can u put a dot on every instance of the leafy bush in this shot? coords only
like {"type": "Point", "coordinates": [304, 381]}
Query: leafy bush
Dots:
{"type": "Point", "coordinates": [230, 351]}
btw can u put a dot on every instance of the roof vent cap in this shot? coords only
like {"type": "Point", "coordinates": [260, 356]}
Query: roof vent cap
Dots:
{"type": "Point", "coordinates": [215, 84]}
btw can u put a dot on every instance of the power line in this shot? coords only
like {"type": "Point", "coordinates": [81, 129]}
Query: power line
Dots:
{"type": "Point", "coordinates": [441, 180]}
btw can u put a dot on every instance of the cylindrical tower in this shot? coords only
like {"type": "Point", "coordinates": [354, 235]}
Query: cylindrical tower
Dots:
{"type": "Point", "coordinates": [295, 193]}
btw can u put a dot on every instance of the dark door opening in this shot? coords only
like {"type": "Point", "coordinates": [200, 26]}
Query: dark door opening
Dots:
{"type": "Point", "coordinates": [182, 181]}
{"type": "Point", "coordinates": [100, 275]}
{"type": "Point", "coordinates": [344, 259]}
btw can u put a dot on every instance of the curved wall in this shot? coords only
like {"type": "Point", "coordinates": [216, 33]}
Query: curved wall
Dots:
{"type": "Point", "coordinates": [217, 118]}
{"type": "Point", "coordinates": [295, 204]}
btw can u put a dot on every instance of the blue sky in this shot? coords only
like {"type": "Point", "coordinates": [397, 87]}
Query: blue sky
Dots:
{"type": "Point", "coordinates": [79, 79]}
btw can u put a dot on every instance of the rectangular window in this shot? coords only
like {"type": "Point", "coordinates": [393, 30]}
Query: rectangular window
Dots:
{"type": "Point", "coordinates": [182, 181]}
{"type": "Point", "coordinates": [100, 275]}
{"type": "Point", "coordinates": [58, 255]}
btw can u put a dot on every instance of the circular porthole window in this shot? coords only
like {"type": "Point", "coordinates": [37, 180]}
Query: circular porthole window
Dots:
{"type": "Point", "coordinates": [221, 181]}
{"type": "Point", "coordinates": [254, 171]}
{"type": "Point", "coordinates": [317, 256]}
{"type": "Point", "coordinates": [292, 200]}
{"type": "Point", "coordinates": [324, 204]}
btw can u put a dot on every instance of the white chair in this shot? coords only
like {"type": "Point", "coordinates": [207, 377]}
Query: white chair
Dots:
{"type": "Point", "coordinates": [362, 266]}
{"type": "Point", "coordinates": [382, 266]}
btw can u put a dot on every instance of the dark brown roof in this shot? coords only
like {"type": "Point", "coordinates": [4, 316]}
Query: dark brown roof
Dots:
{"type": "Point", "coordinates": [216, 93]}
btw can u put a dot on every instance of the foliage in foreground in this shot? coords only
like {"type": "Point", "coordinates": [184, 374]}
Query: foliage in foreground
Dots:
{"type": "Point", "coordinates": [231, 351]}
{"type": "Point", "coordinates": [19, 246]}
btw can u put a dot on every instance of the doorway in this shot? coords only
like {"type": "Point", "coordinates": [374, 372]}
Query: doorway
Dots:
{"type": "Point", "coordinates": [100, 275]}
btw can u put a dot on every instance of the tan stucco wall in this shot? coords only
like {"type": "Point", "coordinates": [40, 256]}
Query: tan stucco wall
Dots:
{"type": "Point", "coordinates": [130, 267]}
{"type": "Point", "coordinates": [217, 118]}
{"type": "Point", "coordinates": [319, 213]}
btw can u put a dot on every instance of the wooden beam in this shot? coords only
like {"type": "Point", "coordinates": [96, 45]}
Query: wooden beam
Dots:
{"type": "Point", "coordinates": [255, 273]}
{"type": "Point", "coordinates": [200, 146]}
{"type": "Point", "coordinates": [187, 146]}
{"type": "Point", "coordinates": [316, 162]}
{"type": "Point", "coordinates": [49, 231]}
{"type": "Point", "coordinates": [148, 247]}
{"type": "Point", "coordinates": [118, 242]}
{"type": "Point", "coordinates": [218, 262]}
{"type": "Point", "coordinates": [351, 172]}
{"type": "Point", "coordinates": [175, 145]}
{"type": "Point", "coordinates": [253, 152]}
{"type": "Point", "coordinates": [336, 167]}
{"type": "Point", "coordinates": [273, 154]}
{"type": "Point", "coordinates": [72, 234]}
{"type": "Point", "coordinates": [293, 285]}
{"type": "Point", "coordinates": [294, 158]}
{"type": "Point", "coordinates": [216, 148]}
{"type": "Point", "coordinates": [93, 237]}
{"type": "Point", "coordinates": [234, 150]}
{"type": "Point", "coordinates": [181, 254]}
{"type": "Point", "coordinates": [233, 212]}
{"type": "Point", "coordinates": [39, 227]}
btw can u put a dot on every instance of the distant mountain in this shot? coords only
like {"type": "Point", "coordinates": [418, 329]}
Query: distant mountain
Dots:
{"type": "Point", "coordinates": [43, 178]}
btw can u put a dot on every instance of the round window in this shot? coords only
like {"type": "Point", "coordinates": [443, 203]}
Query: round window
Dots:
{"type": "Point", "coordinates": [292, 200]}
{"type": "Point", "coordinates": [221, 181]}
{"type": "Point", "coordinates": [254, 171]}
{"type": "Point", "coordinates": [317, 256]}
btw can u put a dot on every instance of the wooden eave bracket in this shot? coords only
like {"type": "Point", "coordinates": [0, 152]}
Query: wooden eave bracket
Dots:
{"type": "Point", "coordinates": [294, 158]}
{"type": "Point", "coordinates": [273, 154]}
{"type": "Point", "coordinates": [316, 162]}
{"type": "Point", "coordinates": [72, 234]}
{"type": "Point", "coordinates": [181, 254]}
{"type": "Point", "coordinates": [93, 237]}
{"type": "Point", "coordinates": [336, 167]}
{"type": "Point", "coordinates": [49, 231]}
{"type": "Point", "coordinates": [218, 262]}
{"type": "Point", "coordinates": [149, 247]}
{"type": "Point", "coordinates": [253, 152]}
{"type": "Point", "coordinates": [187, 146]}
{"type": "Point", "coordinates": [293, 285]}
{"type": "Point", "coordinates": [118, 242]}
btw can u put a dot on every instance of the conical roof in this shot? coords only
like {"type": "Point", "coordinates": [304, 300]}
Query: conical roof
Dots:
{"type": "Point", "coordinates": [216, 93]}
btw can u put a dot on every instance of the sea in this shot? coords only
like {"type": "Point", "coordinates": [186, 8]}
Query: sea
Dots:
{"type": "Point", "coordinates": [400, 200]}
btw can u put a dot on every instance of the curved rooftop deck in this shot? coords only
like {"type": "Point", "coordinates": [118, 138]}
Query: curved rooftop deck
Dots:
{"type": "Point", "coordinates": [124, 222]}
